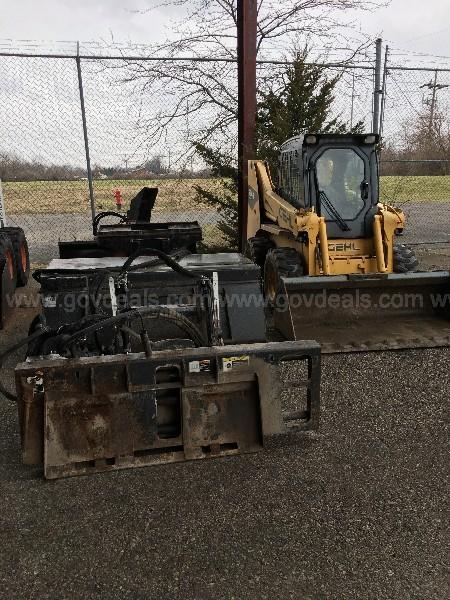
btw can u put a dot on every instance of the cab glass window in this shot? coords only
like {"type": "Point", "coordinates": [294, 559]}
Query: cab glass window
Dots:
{"type": "Point", "coordinates": [340, 173]}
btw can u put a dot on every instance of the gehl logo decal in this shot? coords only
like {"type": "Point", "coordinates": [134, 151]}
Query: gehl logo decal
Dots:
{"type": "Point", "coordinates": [285, 216]}
{"type": "Point", "coordinates": [343, 247]}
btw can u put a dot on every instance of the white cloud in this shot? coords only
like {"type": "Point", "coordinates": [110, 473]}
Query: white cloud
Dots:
{"type": "Point", "coordinates": [42, 96]}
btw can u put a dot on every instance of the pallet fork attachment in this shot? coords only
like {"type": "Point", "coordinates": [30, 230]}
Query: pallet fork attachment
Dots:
{"type": "Point", "coordinates": [103, 413]}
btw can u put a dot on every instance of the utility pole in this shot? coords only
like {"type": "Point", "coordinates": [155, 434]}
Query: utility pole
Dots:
{"type": "Point", "coordinates": [433, 103]}
{"type": "Point", "coordinates": [434, 86]}
{"type": "Point", "coordinates": [247, 14]}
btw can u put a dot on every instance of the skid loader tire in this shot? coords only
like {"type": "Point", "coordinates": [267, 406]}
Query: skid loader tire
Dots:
{"type": "Point", "coordinates": [280, 262]}
{"type": "Point", "coordinates": [21, 254]}
{"type": "Point", "coordinates": [256, 249]}
{"type": "Point", "coordinates": [7, 253]}
{"type": "Point", "coordinates": [405, 260]}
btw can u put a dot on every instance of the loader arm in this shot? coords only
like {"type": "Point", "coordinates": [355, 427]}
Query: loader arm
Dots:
{"type": "Point", "coordinates": [275, 207]}
{"type": "Point", "coordinates": [391, 220]}
{"type": "Point", "coordinates": [288, 223]}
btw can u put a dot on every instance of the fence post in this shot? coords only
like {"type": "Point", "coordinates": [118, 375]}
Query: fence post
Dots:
{"type": "Point", "coordinates": [353, 100]}
{"type": "Point", "coordinates": [85, 134]}
{"type": "Point", "coordinates": [2, 208]}
{"type": "Point", "coordinates": [383, 90]}
{"type": "Point", "coordinates": [377, 90]}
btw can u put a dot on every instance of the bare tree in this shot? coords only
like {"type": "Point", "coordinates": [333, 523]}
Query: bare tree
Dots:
{"type": "Point", "coordinates": [208, 89]}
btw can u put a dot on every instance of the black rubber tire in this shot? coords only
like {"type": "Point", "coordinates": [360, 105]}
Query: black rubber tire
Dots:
{"type": "Point", "coordinates": [21, 254]}
{"type": "Point", "coordinates": [405, 260]}
{"type": "Point", "coordinates": [256, 249]}
{"type": "Point", "coordinates": [280, 262]}
{"type": "Point", "coordinates": [7, 252]}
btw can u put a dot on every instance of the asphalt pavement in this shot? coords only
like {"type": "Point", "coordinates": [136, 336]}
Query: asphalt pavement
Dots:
{"type": "Point", "coordinates": [427, 222]}
{"type": "Point", "coordinates": [358, 510]}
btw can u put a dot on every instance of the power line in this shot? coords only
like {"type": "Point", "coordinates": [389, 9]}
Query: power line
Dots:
{"type": "Point", "coordinates": [434, 86]}
{"type": "Point", "coordinates": [419, 37]}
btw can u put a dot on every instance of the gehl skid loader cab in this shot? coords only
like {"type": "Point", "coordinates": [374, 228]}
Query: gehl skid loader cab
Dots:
{"type": "Point", "coordinates": [326, 246]}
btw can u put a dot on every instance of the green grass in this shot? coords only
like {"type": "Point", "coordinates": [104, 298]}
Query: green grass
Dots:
{"type": "Point", "coordinates": [398, 189]}
{"type": "Point", "coordinates": [36, 197]}
{"type": "Point", "coordinates": [179, 194]}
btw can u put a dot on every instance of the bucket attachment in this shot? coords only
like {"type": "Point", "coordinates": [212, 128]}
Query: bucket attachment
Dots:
{"type": "Point", "coordinates": [91, 414]}
{"type": "Point", "coordinates": [354, 313]}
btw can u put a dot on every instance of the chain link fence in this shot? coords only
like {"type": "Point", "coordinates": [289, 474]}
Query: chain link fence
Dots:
{"type": "Point", "coordinates": [415, 165]}
{"type": "Point", "coordinates": [143, 116]}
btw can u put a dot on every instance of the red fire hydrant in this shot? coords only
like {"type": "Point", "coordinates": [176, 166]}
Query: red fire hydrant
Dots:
{"type": "Point", "coordinates": [119, 199]}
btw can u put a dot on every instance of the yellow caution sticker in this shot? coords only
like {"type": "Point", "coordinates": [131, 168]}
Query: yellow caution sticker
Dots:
{"type": "Point", "coordinates": [232, 362]}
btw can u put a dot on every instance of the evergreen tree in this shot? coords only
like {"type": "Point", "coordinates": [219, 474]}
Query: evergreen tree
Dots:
{"type": "Point", "coordinates": [298, 101]}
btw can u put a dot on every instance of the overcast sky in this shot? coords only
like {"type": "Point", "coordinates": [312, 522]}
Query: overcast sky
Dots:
{"type": "Point", "coordinates": [39, 101]}
{"type": "Point", "coordinates": [421, 26]}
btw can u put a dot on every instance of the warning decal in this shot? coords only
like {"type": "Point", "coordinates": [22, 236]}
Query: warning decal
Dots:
{"type": "Point", "coordinates": [200, 366]}
{"type": "Point", "coordinates": [235, 361]}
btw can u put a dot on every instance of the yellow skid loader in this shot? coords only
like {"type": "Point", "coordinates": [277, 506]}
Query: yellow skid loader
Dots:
{"type": "Point", "coordinates": [326, 245]}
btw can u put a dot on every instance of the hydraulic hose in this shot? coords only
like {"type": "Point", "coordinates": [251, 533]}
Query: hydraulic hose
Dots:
{"type": "Point", "coordinates": [156, 312]}
{"type": "Point", "coordinates": [31, 338]}
{"type": "Point", "coordinates": [42, 332]}
{"type": "Point", "coordinates": [102, 215]}
{"type": "Point", "coordinates": [170, 262]}
{"type": "Point", "coordinates": [128, 267]}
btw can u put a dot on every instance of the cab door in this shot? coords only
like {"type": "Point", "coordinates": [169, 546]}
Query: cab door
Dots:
{"type": "Point", "coordinates": [341, 189]}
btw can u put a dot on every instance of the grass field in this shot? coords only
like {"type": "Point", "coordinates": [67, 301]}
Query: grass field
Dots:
{"type": "Point", "coordinates": [73, 196]}
{"type": "Point", "coordinates": [409, 188]}
{"type": "Point", "coordinates": [179, 195]}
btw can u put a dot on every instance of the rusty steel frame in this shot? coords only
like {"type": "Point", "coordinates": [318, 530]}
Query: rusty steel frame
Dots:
{"type": "Point", "coordinates": [85, 415]}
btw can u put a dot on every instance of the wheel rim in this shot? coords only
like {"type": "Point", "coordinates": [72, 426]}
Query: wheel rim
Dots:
{"type": "Point", "coordinates": [23, 258]}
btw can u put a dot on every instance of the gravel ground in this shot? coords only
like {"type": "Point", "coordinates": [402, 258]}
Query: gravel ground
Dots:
{"type": "Point", "coordinates": [358, 510]}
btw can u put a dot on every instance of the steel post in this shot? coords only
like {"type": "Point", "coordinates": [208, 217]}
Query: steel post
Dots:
{"type": "Point", "coordinates": [246, 50]}
{"type": "Point", "coordinates": [383, 91]}
{"type": "Point", "coordinates": [377, 88]}
{"type": "Point", "coordinates": [2, 208]}
{"type": "Point", "coordinates": [85, 135]}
